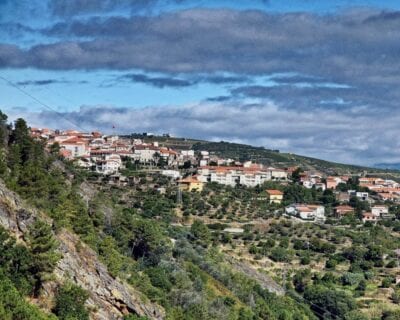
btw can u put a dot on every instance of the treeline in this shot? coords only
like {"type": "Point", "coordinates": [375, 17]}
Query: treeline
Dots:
{"type": "Point", "coordinates": [28, 169]}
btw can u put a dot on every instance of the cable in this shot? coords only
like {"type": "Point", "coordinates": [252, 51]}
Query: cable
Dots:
{"type": "Point", "coordinates": [42, 103]}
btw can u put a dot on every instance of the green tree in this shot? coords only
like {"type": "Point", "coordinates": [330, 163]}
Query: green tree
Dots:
{"type": "Point", "coordinates": [332, 303]}
{"type": "Point", "coordinates": [70, 303]}
{"type": "Point", "coordinates": [200, 231]}
{"type": "Point", "coordinates": [43, 247]}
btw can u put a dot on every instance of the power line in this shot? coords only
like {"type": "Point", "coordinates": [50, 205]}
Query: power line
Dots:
{"type": "Point", "coordinates": [41, 103]}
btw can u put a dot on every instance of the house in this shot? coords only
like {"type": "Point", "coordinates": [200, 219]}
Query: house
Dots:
{"type": "Point", "coordinates": [191, 184]}
{"type": "Point", "coordinates": [175, 174]}
{"type": "Point", "coordinates": [332, 182]}
{"type": "Point", "coordinates": [145, 153]}
{"type": "Point", "coordinates": [368, 216]}
{"type": "Point", "coordinates": [342, 196]}
{"type": "Point", "coordinates": [370, 181]}
{"type": "Point", "coordinates": [343, 210]}
{"type": "Point", "coordinates": [274, 196]}
{"type": "Point", "coordinates": [110, 165]}
{"type": "Point", "coordinates": [67, 154]}
{"type": "Point", "coordinates": [364, 196]}
{"type": "Point", "coordinates": [388, 196]}
{"type": "Point", "coordinates": [250, 175]}
{"type": "Point", "coordinates": [306, 211]}
{"type": "Point", "coordinates": [77, 146]}
{"type": "Point", "coordinates": [380, 210]}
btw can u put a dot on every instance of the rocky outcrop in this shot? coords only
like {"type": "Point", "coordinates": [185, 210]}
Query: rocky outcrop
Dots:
{"type": "Point", "coordinates": [265, 281]}
{"type": "Point", "coordinates": [110, 299]}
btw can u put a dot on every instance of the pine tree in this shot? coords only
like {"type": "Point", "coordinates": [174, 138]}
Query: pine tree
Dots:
{"type": "Point", "coordinates": [43, 247]}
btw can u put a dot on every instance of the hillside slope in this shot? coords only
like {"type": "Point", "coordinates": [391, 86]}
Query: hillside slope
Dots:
{"type": "Point", "coordinates": [243, 152]}
{"type": "Point", "coordinates": [110, 298]}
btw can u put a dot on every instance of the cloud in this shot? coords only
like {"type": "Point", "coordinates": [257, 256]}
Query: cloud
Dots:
{"type": "Point", "coordinates": [182, 81]}
{"type": "Point", "coordinates": [61, 8]}
{"type": "Point", "coordinates": [70, 8]}
{"type": "Point", "coordinates": [159, 82]}
{"type": "Point", "coordinates": [45, 82]}
{"type": "Point", "coordinates": [355, 48]}
{"type": "Point", "coordinates": [323, 133]}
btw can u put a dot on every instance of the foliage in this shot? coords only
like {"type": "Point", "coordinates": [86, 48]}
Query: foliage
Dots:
{"type": "Point", "coordinates": [70, 303]}
{"type": "Point", "coordinates": [43, 246]}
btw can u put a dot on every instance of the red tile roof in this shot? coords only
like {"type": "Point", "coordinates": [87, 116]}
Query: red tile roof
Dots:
{"type": "Point", "coordinates": [274, 192]}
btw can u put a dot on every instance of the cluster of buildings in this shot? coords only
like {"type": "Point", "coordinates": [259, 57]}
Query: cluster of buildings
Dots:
{"type": "Point", "coordinates": [108, 154]}
{"type": "Point", "coordinates": [248, 174]}
{"type": "Point", "coordinates": [376, 213]}
{"type": "Point", "coordinates": [313, 179]}
{"type": "Point", "coordinates": [384, 188]}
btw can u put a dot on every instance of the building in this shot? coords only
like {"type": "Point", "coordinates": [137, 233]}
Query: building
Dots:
{"type": "Point", "coordinates": [343, 210]}
{"type": "Point", "coordinates": [274, 196]}
{"type": "Point", "coordinates": [145, 153]}
{"type": "Point", "coordinates": [175, 174]}
{"type": "Point", "coordinates": [380, 211]}
{"type": "Point", "coordinates": [332, 182]}
{"type": "Point", "coordinates": [249, 175]}
{"type": "Point", "coordinates": [77, 146]}
{"type": "Point", "coordinates": [190, 184]}
{"type": "Point", "coordinates": [368, 216]}
{"type": "Point", "coordinates": [364, 196]}
{"type": "Point", "coordinates": [110, 165]}
{"type": "Point", "coordinates": [306, 211]}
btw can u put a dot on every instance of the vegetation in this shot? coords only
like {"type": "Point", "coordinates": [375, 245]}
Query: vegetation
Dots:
{"type": "Point", "coordinates": [181, 255]}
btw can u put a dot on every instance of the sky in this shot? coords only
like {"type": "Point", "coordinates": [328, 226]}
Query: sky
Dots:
{"type": "Point", "coordinates": [317, 78]}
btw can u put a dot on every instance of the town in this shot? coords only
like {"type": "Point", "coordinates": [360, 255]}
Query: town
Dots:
{"type": "Point", "coordinates": [110, 156]}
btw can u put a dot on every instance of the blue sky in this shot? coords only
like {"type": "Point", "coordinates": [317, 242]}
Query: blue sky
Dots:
{"type": "Point", "coordinates": [318, 78]}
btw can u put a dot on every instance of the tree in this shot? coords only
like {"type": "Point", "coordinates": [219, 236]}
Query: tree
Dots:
{"type": "Point", "coordinates": [296, 175]}
{"type": "Point", "coordinates": [147, 241]}
{"type": "Point", "coordinates": [111, 257]}
{"type": "Point", "coordinates": [70, 303]}
{"type": "Point", "coordinates": [333, 304]}
{"type": "Point", "coordinates": [200, 231]}
{"type": "Point", "coordinates": [43, 247]}
{"type": "Point", "coordinates": [3, 142]}
{"type": "Point", "coordinates": [14, 307]}
{"type": "Point", "coordinates": [20, 136]}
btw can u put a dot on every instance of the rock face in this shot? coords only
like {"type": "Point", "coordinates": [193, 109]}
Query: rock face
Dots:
{"type": "Point", "coordinates": [265, 281]}
{"type": "Point", "coordinates": [109, 298]}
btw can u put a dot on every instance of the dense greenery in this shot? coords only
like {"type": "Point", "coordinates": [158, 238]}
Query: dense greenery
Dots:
{"type": "Point", "coordinates": [70, 303]}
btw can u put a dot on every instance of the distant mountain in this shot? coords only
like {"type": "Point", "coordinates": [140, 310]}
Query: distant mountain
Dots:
{"type": "Point", "coordinates": [391, 166]}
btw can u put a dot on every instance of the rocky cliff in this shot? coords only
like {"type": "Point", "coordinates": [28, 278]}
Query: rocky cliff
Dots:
{"type": "Point", "coordinates": [109, 298]}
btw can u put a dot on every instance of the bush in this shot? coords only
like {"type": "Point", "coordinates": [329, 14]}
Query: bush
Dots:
{"type": "Point", "coordinates": [387, 282]}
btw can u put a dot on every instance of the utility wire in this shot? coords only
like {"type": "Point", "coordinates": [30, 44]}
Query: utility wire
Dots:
{"type": "Point", "coordinates": [42, 103]}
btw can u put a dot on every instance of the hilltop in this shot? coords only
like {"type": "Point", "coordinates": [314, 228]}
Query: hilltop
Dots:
{"type": "Point", "coordinates": [243, 152]}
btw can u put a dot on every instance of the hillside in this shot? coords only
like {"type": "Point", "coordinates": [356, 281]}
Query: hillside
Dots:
{"type": "Point", "coordinates": [82, 245]}
{"type": "Point", "coordinates": [76, 247]}
{"type": "Point", "coordinates": [242, 152]}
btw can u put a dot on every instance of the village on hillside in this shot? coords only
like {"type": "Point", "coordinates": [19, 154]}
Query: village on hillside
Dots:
{"type": "Point", "coordinates": [110, 155]}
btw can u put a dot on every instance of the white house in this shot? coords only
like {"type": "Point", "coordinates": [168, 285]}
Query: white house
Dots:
{"type": "Point", "coordinates": [145, 153]}
{"type": "Point", "coordinates": [379, 211]}
{"type": "Point", "coordinates": [361, 195]}
{"type": "Point", "coordinates": [110, 165]}
{"type": "Point", "coordinates": [306, 211]}
{"type": "Point", "coordinates": [175, 174]}
{"type": "Point", "coordinates": [78, 147]}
